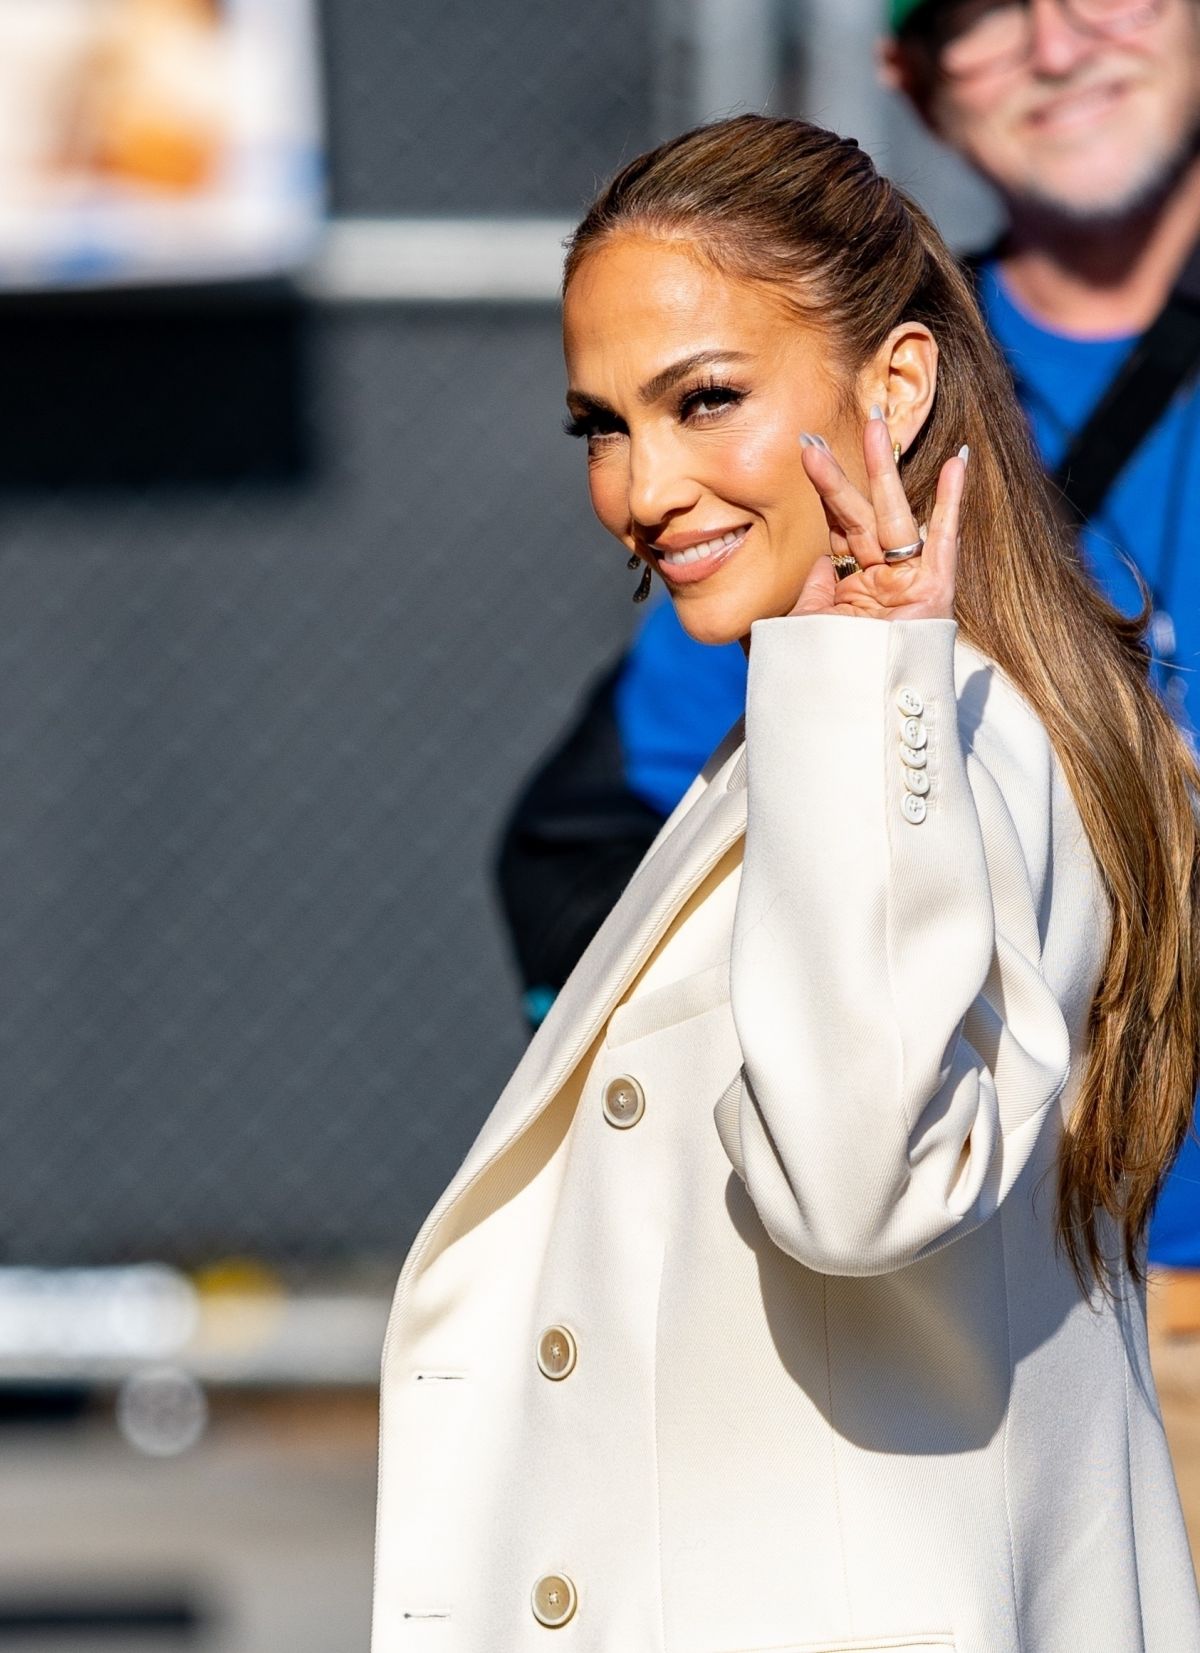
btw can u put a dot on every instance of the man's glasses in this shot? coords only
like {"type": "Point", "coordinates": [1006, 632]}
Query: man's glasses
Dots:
{"type": "Point", "coordinates": [983, 37]}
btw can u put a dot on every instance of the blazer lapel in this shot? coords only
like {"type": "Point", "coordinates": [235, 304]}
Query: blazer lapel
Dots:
{"type": "Point", "coordinates": [689, 846]}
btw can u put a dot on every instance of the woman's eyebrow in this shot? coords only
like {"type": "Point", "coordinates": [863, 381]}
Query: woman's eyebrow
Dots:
{"type": "Point", "coordinates": [670, 376]}
{"type": "Point", "coordinates": [580, 401]}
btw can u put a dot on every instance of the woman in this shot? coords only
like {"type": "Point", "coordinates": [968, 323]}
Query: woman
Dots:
{"type": "Point", "coordinates": [789, 1298]}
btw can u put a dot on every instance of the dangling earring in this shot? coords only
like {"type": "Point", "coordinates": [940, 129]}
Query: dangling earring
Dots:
{"type": "Point", "coordinates": [896, 452]}
{"type": "Point", "coordinates": [643, 590]}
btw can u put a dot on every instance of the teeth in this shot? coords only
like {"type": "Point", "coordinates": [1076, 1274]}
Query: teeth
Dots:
{"type": "Point", "coordinates": [697, 553]}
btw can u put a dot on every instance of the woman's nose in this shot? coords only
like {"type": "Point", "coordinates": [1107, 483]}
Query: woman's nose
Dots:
{"type": "Point", "coordinates": [660, 483]}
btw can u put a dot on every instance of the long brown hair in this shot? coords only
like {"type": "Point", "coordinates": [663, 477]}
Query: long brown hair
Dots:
{"type": "Point", "coordinates": [789, 203]}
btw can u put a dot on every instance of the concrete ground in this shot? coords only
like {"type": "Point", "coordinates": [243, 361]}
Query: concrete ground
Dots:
{"type": "Point", "coordinates": [259, 1539]}
{"type": "Point", "coordinates": [260, 1536]}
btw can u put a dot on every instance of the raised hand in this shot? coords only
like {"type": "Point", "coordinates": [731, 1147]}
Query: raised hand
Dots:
{"type": "Point", "coordinates": [919, 588]}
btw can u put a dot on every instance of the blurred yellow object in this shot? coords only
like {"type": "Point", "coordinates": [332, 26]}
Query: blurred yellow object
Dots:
{"type": "Point", "coordinates": [242, 1304]}
{"type": "Point", "coordinates": [154, 106]}
{"type": "Point", "coordinates": [237, 1277]}
{"type": "Point", "coordinates": [157, 153]}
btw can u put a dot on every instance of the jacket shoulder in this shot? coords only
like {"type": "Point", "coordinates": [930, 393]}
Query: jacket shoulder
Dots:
{"type": "Point", "coordinates": [996, 721]}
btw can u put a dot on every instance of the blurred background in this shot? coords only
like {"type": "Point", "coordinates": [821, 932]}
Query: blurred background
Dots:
{"type": "Point", "coordinates": [297, 580]}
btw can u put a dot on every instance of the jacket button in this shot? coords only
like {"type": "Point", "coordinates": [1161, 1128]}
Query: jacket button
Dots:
{"type": "Point", "coordinates": [913, 758]}
{"type": "Point", "coordinates": [910, 703]}
{"type": "Point", "coordinates": [913, 808]}
{"type": "Point", "coordinates": [917, 780]}
{"type": "Point", "coordinates": [554, 1600]}
{"type": "Point", "coordinates": [624, 1102]}
{"type": "Point", "coordinates": [556, 1352]}
{"type": "Point", "coordinates": [913, 733]}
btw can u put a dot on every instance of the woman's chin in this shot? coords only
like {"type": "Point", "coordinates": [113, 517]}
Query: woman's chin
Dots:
{"type": "Point", "coordinates": [716, 620]}
{"type": "Point", "coordinates": [705, 623]}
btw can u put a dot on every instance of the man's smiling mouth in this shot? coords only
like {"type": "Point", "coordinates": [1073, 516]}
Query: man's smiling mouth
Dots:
{"type": "Point", "coordinates": [1078, 108]}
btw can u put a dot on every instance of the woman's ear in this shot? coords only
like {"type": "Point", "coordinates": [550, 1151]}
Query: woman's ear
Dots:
{"type": "Point", "coordinates": [901, 378]}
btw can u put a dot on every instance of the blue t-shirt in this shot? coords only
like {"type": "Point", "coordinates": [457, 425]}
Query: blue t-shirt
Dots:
{"type": "Point", "coordinates": [676, 698]}
{"type": "Point", "coordinates": [1149, 514]}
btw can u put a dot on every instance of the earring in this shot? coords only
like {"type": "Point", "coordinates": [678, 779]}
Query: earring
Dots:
{"type": "Point", "coordinates": [643, 590]}
{"type": "Point", "coordinates": [896, 452]}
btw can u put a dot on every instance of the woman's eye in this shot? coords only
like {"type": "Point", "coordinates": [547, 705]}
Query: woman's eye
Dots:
{"type": "Point", "coordinates": [594, 427]}
{"type": "Point", "coordinates": [708, 401]}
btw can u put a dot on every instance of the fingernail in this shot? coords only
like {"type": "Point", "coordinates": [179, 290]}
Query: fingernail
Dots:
{"type": "Point", "coordinates": [807, 441]}
{"type": "Point", "coordinates": [824, 445]}
{"type": "Point", "coordinates": [876, 411]}
{"type": "Point", "coordinates": [964, 453]}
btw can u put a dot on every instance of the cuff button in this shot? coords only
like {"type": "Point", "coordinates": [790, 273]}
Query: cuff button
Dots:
{"type": "Point", "coordinates": [913, 808]}
{"type": "Point", "coordinates": [916, 781]}
{"type": "Point", "coordinates": [913, 734]}
{"type": "Point", "coordinates": [910, 703]}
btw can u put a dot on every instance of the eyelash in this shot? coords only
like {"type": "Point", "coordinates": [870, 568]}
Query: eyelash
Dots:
{"type": "Point", "coordinates": [725, 396]}
{"type": "Point", "coordinates": [590, 425]}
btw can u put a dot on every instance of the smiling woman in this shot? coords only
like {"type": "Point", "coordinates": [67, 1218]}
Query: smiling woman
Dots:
{"type": "Point", "coordinates": [750, 1321]}
{"type": "Point", "coordinates": [701, 465]}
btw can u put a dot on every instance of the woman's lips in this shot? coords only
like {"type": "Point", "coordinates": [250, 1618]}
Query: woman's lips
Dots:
{"type": "Point", "coordinates": [697, 562]}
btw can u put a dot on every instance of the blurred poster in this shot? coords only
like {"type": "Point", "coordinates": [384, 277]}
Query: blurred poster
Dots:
{"type": "Point", "coordinates": [157, 140]}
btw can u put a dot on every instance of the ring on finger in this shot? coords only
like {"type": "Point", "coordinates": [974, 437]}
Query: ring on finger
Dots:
{"type": "Point", "coordinates": [901, 553]}
{"type": "Point", "coordinates": [844, 564]}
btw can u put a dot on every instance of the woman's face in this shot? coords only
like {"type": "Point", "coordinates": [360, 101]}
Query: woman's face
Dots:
{"type": "Point", "coordinates": [692, 390]}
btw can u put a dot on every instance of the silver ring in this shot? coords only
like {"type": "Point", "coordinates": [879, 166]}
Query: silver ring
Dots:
{"type": "Point", "coordinates": [903, 552]}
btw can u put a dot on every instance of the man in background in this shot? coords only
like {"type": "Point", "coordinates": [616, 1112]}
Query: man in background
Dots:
{"type": "Point", "coordinates": [1085, 116]}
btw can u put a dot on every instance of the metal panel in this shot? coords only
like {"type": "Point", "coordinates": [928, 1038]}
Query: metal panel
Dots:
{"type": "Point", "coordinates": [256, 743]}
{"type": "Point", "coordinates": [457, 106]}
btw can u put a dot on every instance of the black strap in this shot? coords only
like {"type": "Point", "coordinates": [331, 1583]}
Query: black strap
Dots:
{"type": "Point", "coordinates": [1164, 359]}
{"type": "Point", "coordinates": [1160, 363]}
{"type": "Point", "coordinates": [571, 845]}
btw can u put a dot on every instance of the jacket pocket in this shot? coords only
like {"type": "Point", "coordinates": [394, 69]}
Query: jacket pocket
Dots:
{"type": "Point", "coordinates": [668, 1005]}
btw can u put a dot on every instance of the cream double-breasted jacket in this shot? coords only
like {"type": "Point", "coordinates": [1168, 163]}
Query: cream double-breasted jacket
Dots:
{"type": "Point", "coordinates": [742, 1326]}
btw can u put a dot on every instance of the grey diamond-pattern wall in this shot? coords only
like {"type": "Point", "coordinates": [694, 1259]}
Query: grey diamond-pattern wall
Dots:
{"type": "Point", "coordinates": [257, 735]}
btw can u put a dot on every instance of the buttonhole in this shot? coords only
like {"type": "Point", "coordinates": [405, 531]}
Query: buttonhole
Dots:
{"type": "Point", "coordinates": [428, 1613]}
{"type": "Point", "coordinates": [439, 1377]}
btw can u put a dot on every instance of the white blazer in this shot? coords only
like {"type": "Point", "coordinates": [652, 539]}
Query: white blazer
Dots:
{"type": "Point", "coordinates": [743, 1326]}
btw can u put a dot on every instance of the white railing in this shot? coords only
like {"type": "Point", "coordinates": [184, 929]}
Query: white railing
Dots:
{"type": "Point", "coordinates": [438, 261]}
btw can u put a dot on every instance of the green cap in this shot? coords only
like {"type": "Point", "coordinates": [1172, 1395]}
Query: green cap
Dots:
{"type": "Point", "coordinates": [899, 12]}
